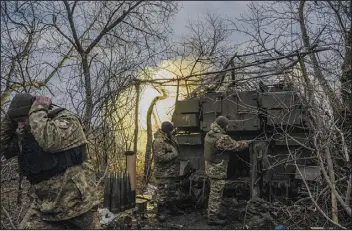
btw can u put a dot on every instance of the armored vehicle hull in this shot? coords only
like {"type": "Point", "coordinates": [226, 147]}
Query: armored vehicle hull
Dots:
{"type": "Point", "coordinates": [271, 115]}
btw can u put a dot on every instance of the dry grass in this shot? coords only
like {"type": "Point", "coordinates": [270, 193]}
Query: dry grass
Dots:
{"type": "Point", "coordinates": [11, 212]}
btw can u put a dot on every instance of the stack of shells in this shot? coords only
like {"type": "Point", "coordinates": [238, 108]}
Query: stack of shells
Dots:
{"type": "Point", "coordinates": [118, 194]}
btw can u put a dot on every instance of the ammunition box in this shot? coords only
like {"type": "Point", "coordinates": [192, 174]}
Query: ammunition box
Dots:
{"type": "Point", "coordinates": [274, 100]}
{"type": "Point", "coordinates": [185, 120]}
{"type": "Point", "coordinates": [284, 117]}
{"type": "Point", "coordinates": [208, 119]}
{"type": "Point", "coordinates": [245, 122]}
{"type": "Point", "coordinates": [187, 106]}
{"type": "Point", "coordinates": [292, 139]}
{"type": "Point", "coordinates": [309, 173]}
{"type": "Point", "coordinates": [191, 139]}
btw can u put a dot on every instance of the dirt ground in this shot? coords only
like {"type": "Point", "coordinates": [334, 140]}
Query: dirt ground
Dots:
{"type": "Point", "coordinates": [193, 220]}
{"type": "Point", "coordinates": [11, 212]}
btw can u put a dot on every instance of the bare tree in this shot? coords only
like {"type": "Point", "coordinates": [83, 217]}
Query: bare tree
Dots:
{"type": "Point", "coordinates": [204, 47]}
{"type": "Point", "coordinates": [24, 68]}
{"type": "Point", "coordinates": [23, 64]}
{"type": "Point", "coordinates": [125, 24]}
{"type": "Point", "coordinates": [87, 55]}
{"type": "Point", "coordinates": [275, 28]}
{"type": "Point", "coordinates": [148, 148]}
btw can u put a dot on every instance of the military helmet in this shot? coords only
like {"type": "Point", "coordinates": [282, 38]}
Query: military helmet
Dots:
{"type": "Point", "coordinates": [167, 127]}
{"type": "Point", "coordinates": [222, 121]}
{"type": "Point", "coordinates": [20, 105]}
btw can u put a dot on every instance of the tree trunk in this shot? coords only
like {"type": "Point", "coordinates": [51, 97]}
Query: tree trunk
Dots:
{"type": "Point", "coordinates": [346, 93]}
{"type": "Point", "coordinates": [334, 214]}
{"type": "Point", "coordinates": [135, 141]}
{"type": "Point", "coordinates": [177, 90]}
{"type": "Point", "coordinates": [148, 149]}
{"type": "Point", "coordinates": [346, 79]}
{"type": "Point", "coordinates": [334, 101]}
{"type": "Point", "coordinates": [309, 88]}
{"type": "Point", "coordinates": [88, 90]}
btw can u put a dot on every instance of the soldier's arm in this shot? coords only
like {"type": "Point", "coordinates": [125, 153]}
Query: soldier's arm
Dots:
{"type": "Point", "coordinates": [226, 143]}
{"type": "Point", "coordinates": [162, 154]}
{"type": "Point", "coordinates": [8, 139]}
{"type": "Point", "coordinates": [58, 134]}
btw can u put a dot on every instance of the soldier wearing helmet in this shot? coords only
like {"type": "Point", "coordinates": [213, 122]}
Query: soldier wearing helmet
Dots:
{"type": "Point", "coordinates": [51, 149]}
{"type": "Point", "coordinates": [215, 143]}
{"type": "Point", "coordinates": [167, 167]}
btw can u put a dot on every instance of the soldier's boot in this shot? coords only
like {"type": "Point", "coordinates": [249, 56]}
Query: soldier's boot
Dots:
{"type": "Point", "coordinates": [161, 213]}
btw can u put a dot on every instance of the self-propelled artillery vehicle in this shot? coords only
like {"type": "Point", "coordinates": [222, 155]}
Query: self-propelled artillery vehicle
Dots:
{"type": "Point", "coordinates": [274, 166]}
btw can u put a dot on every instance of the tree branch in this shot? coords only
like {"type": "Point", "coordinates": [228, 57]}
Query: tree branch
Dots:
{"type": "Point", "coordinates": [332, 187]}
{"type": "Point", "coordinates": [107, 29]}
{"type": "Point", "coordinates": [72, 26]}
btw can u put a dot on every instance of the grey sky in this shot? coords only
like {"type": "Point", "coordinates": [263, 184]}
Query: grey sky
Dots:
{"type": "Point", "coordinates": [191, 10]}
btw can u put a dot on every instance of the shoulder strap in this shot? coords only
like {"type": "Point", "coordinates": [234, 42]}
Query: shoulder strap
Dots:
{"type": "Point", "coordinates": [54, 112]}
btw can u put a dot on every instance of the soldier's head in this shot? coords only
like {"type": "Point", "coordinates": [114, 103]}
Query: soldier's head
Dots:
{"type": "Point", "coordinates": [222, 121]}
{"type": "Point", "coordinates": [19, 109]}
{"type": "Point", "coordinates": [167, 127]}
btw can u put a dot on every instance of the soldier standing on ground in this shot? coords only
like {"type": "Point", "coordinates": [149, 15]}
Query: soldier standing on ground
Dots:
{"type": "Point", "coordinates": [167, 167]}
{"type": "Point", "coordinates": [51, 149]}
{"type": "Point", "coordinates": [215, 143]}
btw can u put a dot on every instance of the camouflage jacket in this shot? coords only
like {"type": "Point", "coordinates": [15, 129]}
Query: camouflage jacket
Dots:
{"type": "Point", "coordinates": [61, 133]}
{"type": "Point", "coordinates": [216, 142]}
{"type": "Point", "coordinates": [166, 156]}
{"type": "Point", "coordinates": [71, 193]}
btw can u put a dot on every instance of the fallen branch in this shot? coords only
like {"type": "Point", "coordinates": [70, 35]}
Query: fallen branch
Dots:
{"type": "Point", "coordinates": [339, 198]}
{"type": "Point", "coordinates": [315, 203]}
{"type": "Point", "coordinates": [347, 159]}
{"type": "Point", "coordinates": [8, 217]}
{"type": "Point", "coordinates": [144, 198]}
{"type": "Point", "coordinates": [26, 217]}
{"type": "Point", "coordinates": [103, 177]}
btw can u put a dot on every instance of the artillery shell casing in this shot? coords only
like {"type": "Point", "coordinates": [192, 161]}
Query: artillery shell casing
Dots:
{"type": "Point", "coordinates": [128, 197]}
{"type": "Point", "coordinates": [107, 192]}
{"type": "Point", "coordinates": [114, 195]}
{"type": "Point", "coordinates": [122, 198]}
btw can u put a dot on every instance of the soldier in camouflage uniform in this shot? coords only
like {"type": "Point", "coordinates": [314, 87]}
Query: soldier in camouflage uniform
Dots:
{"type": "Point", "coordinates": [167, 167]}
{"type": "Point", "coordinates": [215, 143]}
{"type": "Point", "coordinates": [51, 149]}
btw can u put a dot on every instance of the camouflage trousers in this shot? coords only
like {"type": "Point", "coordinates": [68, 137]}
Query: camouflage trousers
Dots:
{"type": "Point", "coordinates": [88, 220]}
{"type": "Point", "coordinates": [167, 191]}
{"type": "Point", "coordinates": [217, 176]}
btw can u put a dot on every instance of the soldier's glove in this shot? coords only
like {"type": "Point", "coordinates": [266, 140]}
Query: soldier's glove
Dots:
{"type": "Point", "coordinates": [44, 101]}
